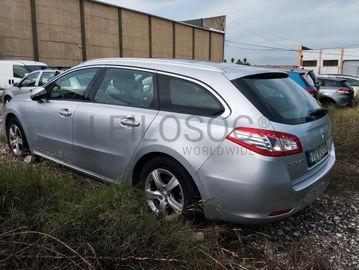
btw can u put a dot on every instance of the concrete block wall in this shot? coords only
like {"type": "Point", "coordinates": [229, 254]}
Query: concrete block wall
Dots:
{"type": "Point", "coordinates": [65, 33]}
{"type": "Point", "coordinates": [15, 30]}
{"type": "Point", "coordinates": [59, 32]}
{"type": "Point", "coordinates": [201, 44]}
{"type": "Point", "coordinates": [102, 31]}
{"type": "Point", "coordinates": [135, 34]}
{"type": "Point", "coordinates": [162, 38]}
{"type": "Point", "coordinates": [183, 41]}
{"type": "Point", "coordinates": [217, 49]}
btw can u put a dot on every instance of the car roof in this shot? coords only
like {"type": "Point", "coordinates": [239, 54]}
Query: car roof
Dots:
{"type": "Point", "coordinates": [331, 78]}
{"type": "Point", "coordinates": [191, 68]}
{"type": "Point", "coordinates": [341, 76]}
{"type": "Point", "coordinates": [24, 62]}
{"type": "Point", "coordinates": [45, 70]}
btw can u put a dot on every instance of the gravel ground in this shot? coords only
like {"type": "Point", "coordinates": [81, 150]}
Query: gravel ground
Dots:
{"type": "Point", "coordinates": [323, 235]}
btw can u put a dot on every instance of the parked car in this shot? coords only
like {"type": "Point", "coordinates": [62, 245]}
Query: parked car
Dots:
{"type": "Point", "coordinates": [233, 137]}
{"type": "Point", "coordinates": [12, 71]}
{"type": "Point", "coordinates": [335, 91]}
{"type": "Point", "coordinates": [31, 81]}
{"type": "Point", "coordinates": [304, 81]}
{"type": "Point", "coordinates": [352, 80]}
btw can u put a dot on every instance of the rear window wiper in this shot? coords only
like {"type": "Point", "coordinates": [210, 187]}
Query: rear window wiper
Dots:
{"type": "Point", "coordinates": [316, 113]}
{"type": "Point", "coordinates": [319, 112]}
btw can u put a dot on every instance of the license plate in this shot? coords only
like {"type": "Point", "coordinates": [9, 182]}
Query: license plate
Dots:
{"type": "Point", "coordinates": [317, 154]}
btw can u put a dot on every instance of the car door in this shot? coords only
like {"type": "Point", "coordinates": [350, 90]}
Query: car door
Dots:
{"type": "Point", "coordinates": [50, 121]}
{"type": "Point", "coordinates": [108, 129]}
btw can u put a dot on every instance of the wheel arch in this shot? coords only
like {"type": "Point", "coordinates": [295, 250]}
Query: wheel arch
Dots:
{"type": "Point", "coordinates": [140, 162]}
{"type": "Point", "coordinates": [7, 119]}
{"type": "Point", "coordinates": [6, 98]}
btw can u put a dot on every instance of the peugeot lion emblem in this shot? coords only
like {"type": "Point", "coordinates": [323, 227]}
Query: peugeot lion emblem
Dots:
{"type": "Point", "coordinates": [322, 134]}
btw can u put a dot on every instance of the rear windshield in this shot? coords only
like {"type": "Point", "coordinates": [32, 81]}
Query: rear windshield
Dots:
{"type": "Point", "coordinates": [279, 99]}
{"type": "Point", "coordinates": [336, 83]}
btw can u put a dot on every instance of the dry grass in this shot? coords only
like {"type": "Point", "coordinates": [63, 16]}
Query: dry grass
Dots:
{"type": "Point", "coordinates": [345, 126]}
{"type": "Point", "coordinates": [51, 217]}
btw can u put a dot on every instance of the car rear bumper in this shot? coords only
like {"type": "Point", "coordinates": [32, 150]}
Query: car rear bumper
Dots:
{"type": "Point", "coordinates": [343, 100]}
{"type": "Point", "coordinates": [252, 194]}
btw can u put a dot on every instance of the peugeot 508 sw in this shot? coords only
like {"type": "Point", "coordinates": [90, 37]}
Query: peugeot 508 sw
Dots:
{"type": "Point", "coordinates": [248, 144]}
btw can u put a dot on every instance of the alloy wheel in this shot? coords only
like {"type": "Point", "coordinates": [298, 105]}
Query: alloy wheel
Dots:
{"type": "Point", "coordinates": [164, 193]}
{"type": "Point", "coordinates": [16, 140]}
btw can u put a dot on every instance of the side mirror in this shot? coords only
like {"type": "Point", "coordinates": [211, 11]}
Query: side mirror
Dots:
{"type": "Point", "coordinates": [16, 84]}
{"type": "Point", "coordinates": [38, 94]}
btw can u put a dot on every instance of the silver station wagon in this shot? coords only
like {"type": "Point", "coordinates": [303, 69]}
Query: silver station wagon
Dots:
{"type": "Point", "coordinates": [237, 143]}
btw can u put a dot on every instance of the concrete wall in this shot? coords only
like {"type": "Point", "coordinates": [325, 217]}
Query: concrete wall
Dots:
{"type": "Point", "coordinates": [59, 32]}
{"type": "Point", "coordinates": [15, 30]}
{"type": "Point", "coordinates": [135, 33]}
{"type": "Point", "coordinates": [162, 38]}
{"type": "Point", "coordinates": [65, 33]}
{"type": "Point", "coordinates": [201, 44]}
{"type": "Point", "coordinates": [217, 47]}
{"type": "Point", "coordinates": [183, 41]}
{"type": "Point", "coordinates": [102, 32]}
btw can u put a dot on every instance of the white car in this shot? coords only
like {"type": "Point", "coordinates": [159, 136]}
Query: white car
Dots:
{"type": "Point", "coordinates": [12, 71]}
{"type": "Point", "coordinates": [32, 80]}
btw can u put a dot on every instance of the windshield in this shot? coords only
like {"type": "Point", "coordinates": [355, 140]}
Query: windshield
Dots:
{"type": "Point", "coordinates": [35, 67]}
{"type": "Point", "coordinates": [278, 98]}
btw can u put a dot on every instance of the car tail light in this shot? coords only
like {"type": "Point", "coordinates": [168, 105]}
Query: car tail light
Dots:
{"type": "Point", "coordinates": [311, 91]}
{"type": "Point", "coordinates": [266, 142]}
{"type": "Point", "coordinates": [345, 91]}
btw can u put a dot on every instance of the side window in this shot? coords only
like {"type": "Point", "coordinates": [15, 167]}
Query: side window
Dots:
{"type": "Point", "coordinates": [30, 80]}
{"type": "Point", "coordinates": [127, 88]}
{"type": "Point", "coordinates": [72, 85]}
{"type": "Point", "coordinates": [45, 77]}
{"type": "Point", "coordinates": [183, 96]}
{"type": "Point", "coordinates": [353, 82]}
{"type": "Point", "coordinates": [19, 71]}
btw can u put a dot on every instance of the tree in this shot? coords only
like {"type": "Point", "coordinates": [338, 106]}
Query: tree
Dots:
{"type": "Point", "coordinates": [243, 62]}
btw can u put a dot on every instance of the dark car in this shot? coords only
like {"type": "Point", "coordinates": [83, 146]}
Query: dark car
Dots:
{"type": "Point", "coordinates": [335, 91]}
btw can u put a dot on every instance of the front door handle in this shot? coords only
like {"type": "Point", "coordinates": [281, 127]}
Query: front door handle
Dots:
{"type": "Point", "coordinates": [129, 122]}
{"type": "Point", "coordinates": [65, 113]}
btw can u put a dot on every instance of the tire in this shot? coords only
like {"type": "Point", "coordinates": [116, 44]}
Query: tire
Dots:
{"type": "Point", "coordinates": [16, 138]}
{"type": "Point", "coordinates": [170, 189]}
{"type": "Point", "coordinates": [327, 103]}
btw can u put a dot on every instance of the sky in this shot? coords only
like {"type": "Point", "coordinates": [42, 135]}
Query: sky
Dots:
{"type": "Point", "coordinates": [284, 24]}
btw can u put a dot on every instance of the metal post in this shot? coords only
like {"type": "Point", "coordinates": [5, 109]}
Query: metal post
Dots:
{"type": "Point", "coordinates": [120, 33]}
{"type": "Point", "coordinates": [193, 43]}
{"type": "Point", "coordinates": [83, 30]}
{"type": "Point", "coordinates": [150, 36]}
{"type": "Point", "coordinates": [210, 47]}
{"type": "Point", "coordinates": [34, 30]}
{"type": "Point", "coordinates": [174, 39]}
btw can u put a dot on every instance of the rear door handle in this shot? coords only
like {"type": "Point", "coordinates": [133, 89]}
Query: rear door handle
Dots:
{"type": "Point", "coordinates": [65, 113]}
{"type": "Point", "coordinates": [129, 122]}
